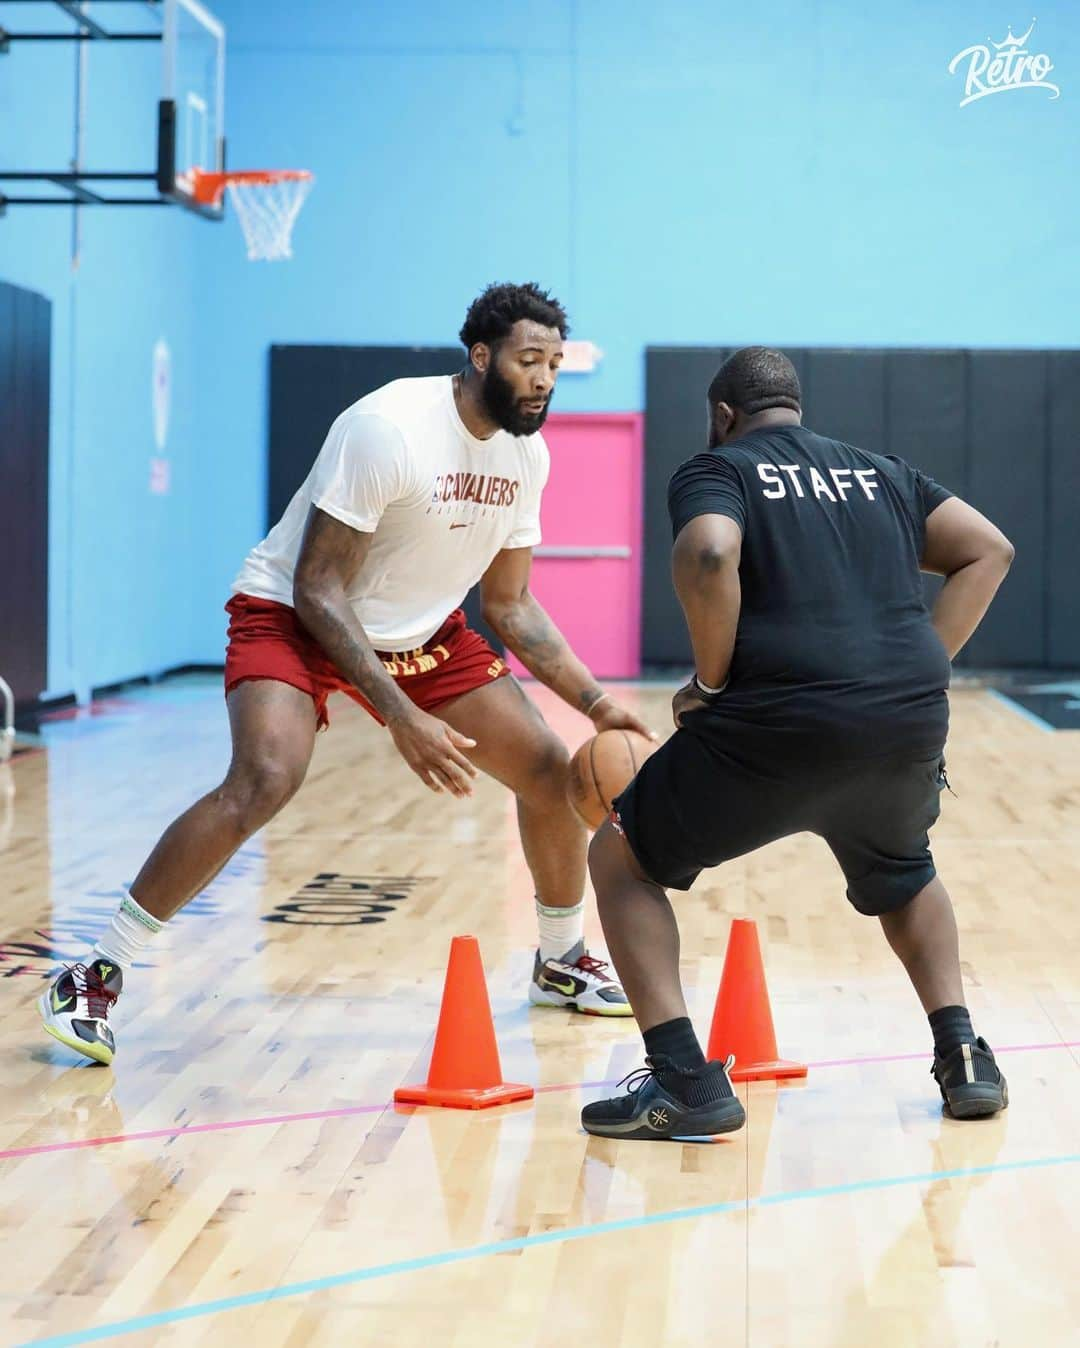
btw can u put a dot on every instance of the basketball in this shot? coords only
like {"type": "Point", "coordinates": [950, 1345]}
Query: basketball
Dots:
{"type": "Point", "coordinates": [602, 768]}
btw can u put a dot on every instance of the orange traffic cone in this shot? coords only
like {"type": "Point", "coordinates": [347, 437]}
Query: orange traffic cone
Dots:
{"type": "Point", "coordinates": [742, 1022]}
{"type": "Point", "coordinates": [464, 1071]}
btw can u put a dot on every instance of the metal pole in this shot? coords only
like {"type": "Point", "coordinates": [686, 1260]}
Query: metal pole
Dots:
{"type": "Point", "coordinates": [74, 10]}
{"type": "Point", "coordinates": [79, 201]}
{"type": "Point", "coordinates": [81, 67]}
{"type": "Point", "coordinates": [81, 37]}
{"type": "Point", "coordinates": [61, 177]}
{"type": "Point", "coordinates": [7, 723]}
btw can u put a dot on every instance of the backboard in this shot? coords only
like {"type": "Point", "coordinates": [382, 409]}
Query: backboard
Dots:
{"type": "Point", "coordinates": [191, 113]}
{"type": "Point", "coordinates": [190, 169]}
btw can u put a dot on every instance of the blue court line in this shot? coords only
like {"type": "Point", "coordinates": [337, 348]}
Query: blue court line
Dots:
{"type": "Point", "coordinates": [1020, 711]}
{"type": "Point", "coordinates": [444, 1257]}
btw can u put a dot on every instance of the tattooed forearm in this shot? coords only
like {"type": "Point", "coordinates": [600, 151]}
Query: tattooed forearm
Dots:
{"type": "Point", "coordinates": [533, 637]}
{"type": "Point", "coordinates": [590, 697]}
{"type": "Point", "coordinates": [331, 556]}
{"type": "Point", "coordinates": [544, 651]}
{"type": "Point", "coordinates": [329, 618]}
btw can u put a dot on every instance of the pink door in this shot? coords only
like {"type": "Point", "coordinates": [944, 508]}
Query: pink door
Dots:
{"type": "Point", "coordinates": [587, 571]}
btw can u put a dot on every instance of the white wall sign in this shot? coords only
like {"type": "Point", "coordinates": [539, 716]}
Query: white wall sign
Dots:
{"type": "Point", "coordinates": [580, 357]}
{"type": "Point", "coordinates": [162, 392]}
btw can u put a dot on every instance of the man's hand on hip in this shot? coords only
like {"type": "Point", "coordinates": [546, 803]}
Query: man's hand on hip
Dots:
{"type": "Point", "coordinates": [688, 698]}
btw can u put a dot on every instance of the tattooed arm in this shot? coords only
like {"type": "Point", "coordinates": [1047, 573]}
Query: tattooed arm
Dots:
{"type": "Point", "coordinates": [529, 633]}
{"type": "Point", "coordinates": [330, 559]}
{"type": "Point", "coordinates": [331, 556]}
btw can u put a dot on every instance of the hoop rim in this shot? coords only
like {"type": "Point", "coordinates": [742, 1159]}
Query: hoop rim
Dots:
{"type": "Point", "coordinates": [209, 188]}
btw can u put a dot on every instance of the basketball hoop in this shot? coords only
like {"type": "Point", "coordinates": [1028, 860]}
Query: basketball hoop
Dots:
{"type": "Point", "coordinates": [267, 203]}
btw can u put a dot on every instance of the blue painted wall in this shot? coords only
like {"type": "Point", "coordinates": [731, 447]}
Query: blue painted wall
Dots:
{"type": "Point", "coordinates": [797, 171]}
{"type": "Point", "coordinates": [129, 587]}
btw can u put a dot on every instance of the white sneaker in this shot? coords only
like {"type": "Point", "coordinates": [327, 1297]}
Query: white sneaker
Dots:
{"type": "Point", "coordinates": [577, 982]}
{"type": "Point", "coordinates": [75, 1008]}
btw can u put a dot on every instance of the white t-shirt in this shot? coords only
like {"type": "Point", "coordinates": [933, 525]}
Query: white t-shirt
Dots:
{"type": "Point", "coordinates": [400, 464]}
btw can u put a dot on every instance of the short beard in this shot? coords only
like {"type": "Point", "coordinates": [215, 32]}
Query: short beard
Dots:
{"type": "Point", "coordinates": [504, 407]}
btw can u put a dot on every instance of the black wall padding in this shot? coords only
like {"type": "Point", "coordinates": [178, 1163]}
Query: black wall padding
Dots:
{"type": "Point", "coordinates": [25, 337]}
{"type": "Point", "coordinates": [927, 420]}
{"type": "Point", "coordinates": [311, 385]}
{"type": "Point", "coordinates": [999, 428]}
{"type": "Point", "coordinates": [927, 413]}
{"type": "Point", "coordinates": [1063, 512]}
{"type": "Point", "coordinates": [1007, 482]}
{"type": "Point", "coordinates": [852, 385]}
{"type": "Point", "coordinates": [676, 380]}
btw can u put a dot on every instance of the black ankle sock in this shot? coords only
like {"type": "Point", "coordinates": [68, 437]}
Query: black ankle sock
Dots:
{"type": "Point", "coordinates": [951, 1026]}
{"type": "Point", "coordinates": [676, 1040]}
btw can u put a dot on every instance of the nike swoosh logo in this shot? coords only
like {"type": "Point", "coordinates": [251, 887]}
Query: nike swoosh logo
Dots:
{"type": "Point", "coordinates": [459, 526]}
{"type": "Point", "coordinates": [58, 1003]}
{"type": "Point", "coordinates": [567, 989]}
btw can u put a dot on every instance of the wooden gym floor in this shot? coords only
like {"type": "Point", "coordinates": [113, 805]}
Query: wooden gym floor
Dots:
{"type": "Point", "coordinates": [239, 1177]}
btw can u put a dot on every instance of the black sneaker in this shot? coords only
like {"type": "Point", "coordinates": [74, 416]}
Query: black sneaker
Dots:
{"type": "Point", "coordinates": [971, 1082]}
{"type": "Point", "coordinates": [664, 1101]}
{"type": "Point", "coordinates": [75, 1008]}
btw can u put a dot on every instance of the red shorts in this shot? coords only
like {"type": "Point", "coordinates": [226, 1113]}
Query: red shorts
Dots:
{"type": "Point", "coordinates": [267, 641]}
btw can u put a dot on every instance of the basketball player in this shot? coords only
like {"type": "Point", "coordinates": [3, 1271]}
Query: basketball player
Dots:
{"type": "Point", "coordinates": [422, 489]}
{"type": "Point", "coordinates": [818, 705]}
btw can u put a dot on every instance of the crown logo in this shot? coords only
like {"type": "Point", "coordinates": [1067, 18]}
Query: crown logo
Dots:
{"type": "Point", "coordinates": [1012, 42]}
{"type": "Point", "coordinates": [999, 67]}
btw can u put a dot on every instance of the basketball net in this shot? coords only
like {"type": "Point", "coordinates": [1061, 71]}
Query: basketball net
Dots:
{"type": "Point", "coordinates": [267, 213]}
{"type": "Point", "coordinates": [267, 202]}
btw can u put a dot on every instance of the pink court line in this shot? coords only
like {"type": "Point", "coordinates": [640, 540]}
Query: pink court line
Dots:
{"type": "Point", "coordinates": [909, 1057]}
{"type": "Point", "coordinates": [348, 1111]}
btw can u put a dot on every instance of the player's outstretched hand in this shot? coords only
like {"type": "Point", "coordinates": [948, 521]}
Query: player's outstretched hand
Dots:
{"type": "Point", "coordinates": [433, 750]}
{"type": "Point", "coordinates": [610, 716]}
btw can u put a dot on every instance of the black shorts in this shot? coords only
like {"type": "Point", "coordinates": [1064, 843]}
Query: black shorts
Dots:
{"type": "Point", "coordinates": [693, 805]}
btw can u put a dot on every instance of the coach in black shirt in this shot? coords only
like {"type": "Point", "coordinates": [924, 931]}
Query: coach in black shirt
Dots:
{"type": "Point", "coordinates": [818, 705]}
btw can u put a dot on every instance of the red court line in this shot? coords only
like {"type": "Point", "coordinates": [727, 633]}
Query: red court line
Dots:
{"type": "Point", "coordinates": [347, 1111]}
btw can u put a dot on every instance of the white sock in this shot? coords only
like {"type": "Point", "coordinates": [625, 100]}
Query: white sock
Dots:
{"type": "Point", "coordinates": [130, 932]}
{"type": "Point", "coordinates": [560, 929]}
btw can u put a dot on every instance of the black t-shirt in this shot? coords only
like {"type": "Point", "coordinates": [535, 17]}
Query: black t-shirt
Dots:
{"type": "Point", "coordinates": [834, 640]}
